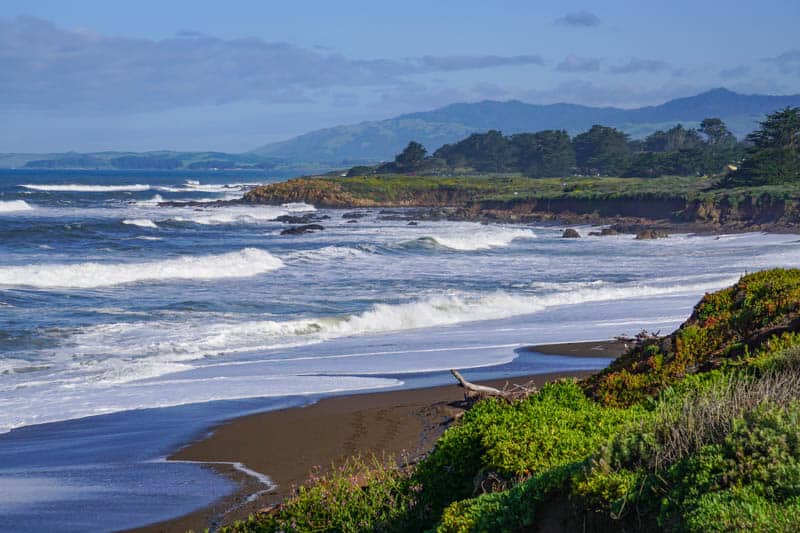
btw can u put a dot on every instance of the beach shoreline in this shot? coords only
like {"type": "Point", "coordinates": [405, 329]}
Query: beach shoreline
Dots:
{"type": "Point", "coordinates": [287, 444]}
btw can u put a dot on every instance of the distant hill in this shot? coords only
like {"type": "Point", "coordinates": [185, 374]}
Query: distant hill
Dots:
{"type": "Point", "coordinates": [159, 160]}
{"type": "Point", "coordinates": [370, 142]}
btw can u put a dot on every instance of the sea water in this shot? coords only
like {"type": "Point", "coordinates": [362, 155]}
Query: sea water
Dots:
{"type": "Point", "coordinates": [166, 319]}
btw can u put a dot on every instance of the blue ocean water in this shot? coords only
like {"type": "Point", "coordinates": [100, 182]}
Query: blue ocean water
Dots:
{"type": "Point", "coordinates": [129, 327]}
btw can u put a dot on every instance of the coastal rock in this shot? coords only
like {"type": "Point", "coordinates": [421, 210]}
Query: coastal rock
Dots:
{"type": "Point", "coordinates": [352, 221]}
{"type": "Point", "coordinates": [412, 223]}
{"type": "Point", "coordinates": [570, 233]}
{"type": "Point", "coordinates": [355, 214]}
{"type": "Point", "coordinates": [305, 228]}
{"type": "Point", "coordinates": [649, 234]}
{"type": "Point", "coordinates": [293, 219]}
{"type": "Point", "coordinates": [605, 232]}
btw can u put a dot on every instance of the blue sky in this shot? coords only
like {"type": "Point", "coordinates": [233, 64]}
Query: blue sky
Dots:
{"type": "Point", "coordinates": [97, 75]}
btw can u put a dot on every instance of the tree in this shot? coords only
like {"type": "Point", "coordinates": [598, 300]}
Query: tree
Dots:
{"type": "Point", "coordinates": [774, 154]}
{"type": "Point", "coordinates": [547, 153]}
{"type": "Point", "coordinates": [672, 140]}
{"type": "Point", "coordinates": [602, 151]}
{"type": "Point", "coordinates": [485, 152]}
{"type": "Point", "coordinates": [411, 158]}
{"type": "Point", "coordinates": [721, 146]}
{"type": "Point", "coordinates": [717, 133]}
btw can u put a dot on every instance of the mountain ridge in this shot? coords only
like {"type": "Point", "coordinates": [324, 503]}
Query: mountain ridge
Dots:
{"type": "Point", "coordinates": [373, 141]}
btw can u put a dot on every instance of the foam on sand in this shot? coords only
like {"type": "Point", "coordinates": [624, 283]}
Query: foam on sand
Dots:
{"type": "Point", "coordinates": [77, 187]}
{"type": "Point", "coordinates": [14, 206]}
{"type": "Point", "coordinates": [244, 263]}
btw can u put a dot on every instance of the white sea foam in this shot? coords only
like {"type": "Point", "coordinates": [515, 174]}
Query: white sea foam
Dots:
{"type": "Point", "coordinates": [103, 398]}
{"type": "Point", "coordinates": [77, 187]}
{"type": "Point", "coordinates": [176, 341]}
{"type": "Point", "coordinates": [14, 206]}
{"type": "Point", "coordinates": [140, 222]}
{"type": "Point", "coordinates": [240, 214]}
{"type": "Point", "coordinates": [482, 238]}
{"type": "Point", "coordinates": [327, 253]}
{"type": "Point", "coordinates": [154, 201]}
{"type": "Point", "coordinates": [244, 263]}
{"type": "Point", "coordinates": [196, 186]}
{"type": "Point", "coordinates": [296, 207]}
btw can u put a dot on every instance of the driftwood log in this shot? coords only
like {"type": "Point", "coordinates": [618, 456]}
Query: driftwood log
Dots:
{"type": "Point", "coordinates": [477, 392]}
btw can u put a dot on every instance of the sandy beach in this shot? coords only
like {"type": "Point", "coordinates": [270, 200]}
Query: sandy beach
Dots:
{"type": "Point", "coordinates": [287, 444]}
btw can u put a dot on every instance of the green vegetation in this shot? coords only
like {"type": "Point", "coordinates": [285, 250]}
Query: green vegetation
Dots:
{"type": "Point", "coordinates": [697, 431]}
{"type": "Point", "coordinates": [774, 155]}
{"type": "Point", "coordinates": [771, 154]}
{"type": "Point", "coordinates": [600, 151]}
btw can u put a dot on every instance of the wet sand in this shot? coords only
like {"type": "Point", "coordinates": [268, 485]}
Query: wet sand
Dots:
{"type": "Point", "coordinates": [287, 444]}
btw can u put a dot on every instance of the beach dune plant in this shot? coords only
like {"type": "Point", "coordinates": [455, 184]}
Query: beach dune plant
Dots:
{"type": "Point", "coordinates": [696, 431]}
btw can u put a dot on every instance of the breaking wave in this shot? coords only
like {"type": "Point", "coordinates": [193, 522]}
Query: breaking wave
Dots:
{"type": "Point", "coordinates": [76, 187]}
{"type": "Point", "coordinates": [177, 341]}
{"type": "Point", "coordinates": [480, 239]}
{"type": "Point", "coordinates": [140, 222]}
{"type": "Point", "coordinates": [15, 205]}
{"type": "Point", "coordinates": [244, 263]}
{"type": "Point", "coordinates": [240, 214]}
{"type": "Point", "coordinates": [329, 253]}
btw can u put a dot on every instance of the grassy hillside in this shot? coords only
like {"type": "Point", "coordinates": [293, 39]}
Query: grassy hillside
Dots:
{"type": "Point", "coordinates": [697, 431]}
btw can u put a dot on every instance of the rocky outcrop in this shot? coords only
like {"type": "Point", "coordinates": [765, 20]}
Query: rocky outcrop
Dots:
{"type": "Point", "coordinates": [318, 192]}
{"type": "Point", "coordinates": [605, 232]}
{"type": "Point", "coordinates": [570, 233]}
{"type": "Point", "coordinates": [293, 219]}
{"type": "Point", "coordinates": [715, 211]}
{"type": "Point", "coordinates": [305, 228]}
{"type": "Point", "coordinates": [649, 234]}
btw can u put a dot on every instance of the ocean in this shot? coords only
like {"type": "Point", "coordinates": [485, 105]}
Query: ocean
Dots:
{"type": "Point", "coordinates": [128, 328]}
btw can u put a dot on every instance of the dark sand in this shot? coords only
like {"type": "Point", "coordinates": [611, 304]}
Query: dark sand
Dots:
{"type": "Point", "coordinates": [610, 349]}
{"type": "Point", "coordinates": [288, 444]}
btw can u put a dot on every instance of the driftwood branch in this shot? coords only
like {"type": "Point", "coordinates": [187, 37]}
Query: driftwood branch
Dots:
{"type": "Point", "coordinates": [476, 392]}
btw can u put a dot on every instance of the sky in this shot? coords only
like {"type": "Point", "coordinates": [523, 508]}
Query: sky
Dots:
{"type": "Point", "coordinates": [93, 75]}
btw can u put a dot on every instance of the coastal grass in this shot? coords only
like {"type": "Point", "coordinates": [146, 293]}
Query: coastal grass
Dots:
{"type": "Point", "coordinates": [696, 431]}
{"type": "Point", "coordinates": [388, 188]}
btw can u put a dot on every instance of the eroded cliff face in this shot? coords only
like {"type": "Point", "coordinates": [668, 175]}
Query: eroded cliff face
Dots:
{"type": "Point", "coordinates": [321, 193]}
{"type": "Point", "coordinates": [751, 210]}
{"type": "Point", "coordinates": [743, 212]}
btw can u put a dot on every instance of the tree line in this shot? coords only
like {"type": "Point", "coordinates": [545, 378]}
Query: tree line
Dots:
{"type": "Point", "coordinates": [768, 155]}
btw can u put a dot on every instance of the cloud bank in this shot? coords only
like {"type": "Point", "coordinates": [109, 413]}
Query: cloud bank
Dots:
{"type": "Point", "coordinates": [47, 67]}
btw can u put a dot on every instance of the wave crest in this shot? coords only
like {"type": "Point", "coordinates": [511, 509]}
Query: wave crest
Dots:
{"type": "Point", "coordinates": [480, 239]}
{"type": "Point", "coordinates": [14, 206]}
{"type": "Point", "coordinates": [177, 341]}
{"type": "Point", "coordinates": [78, 187]}
{"type": "Point", "coordinates": [244, 263]}
{"type": "Point", "coordinates": [140, 222]}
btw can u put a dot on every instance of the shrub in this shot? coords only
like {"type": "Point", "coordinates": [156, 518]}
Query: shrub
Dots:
{"type": "Point", "coordinates": [359, 495]}
{"type": "Point", "coordinates": [510, 510]}
{"type": "Point", "coordinates": [723, 329]}
{"type": "Point", "coordinates": [513, 441]}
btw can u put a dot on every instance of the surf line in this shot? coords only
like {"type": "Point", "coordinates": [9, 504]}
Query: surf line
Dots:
{"type": "Point", "coordinates": [262, 479]}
